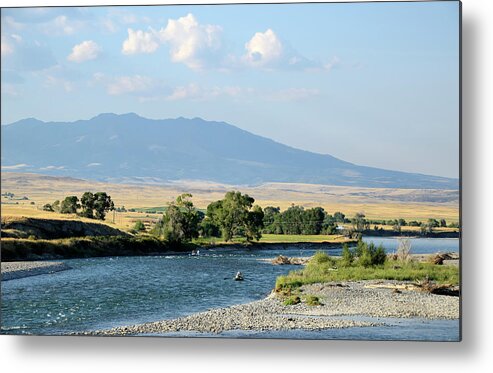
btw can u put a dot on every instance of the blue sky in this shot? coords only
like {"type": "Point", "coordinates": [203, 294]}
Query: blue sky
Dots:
{"type": "Point", "coordinates": [376, 84]}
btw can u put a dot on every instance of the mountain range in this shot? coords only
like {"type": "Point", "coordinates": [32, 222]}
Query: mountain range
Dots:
{"type": "Point", "coordinates": [130, 148]}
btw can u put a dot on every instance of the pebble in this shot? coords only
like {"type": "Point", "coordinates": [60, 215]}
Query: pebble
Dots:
{"type": "Point", "coordinates": [350, 299]}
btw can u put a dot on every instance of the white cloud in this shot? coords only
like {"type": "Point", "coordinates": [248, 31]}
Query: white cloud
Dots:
{"type": "Point", "coordinates": [85, 51]}
{"type": "Point", "coordinates": [191, 43]}
{"type": "Point", "coordinates": [6, 47]}
{"type": "Point", "coordinates": [62, 25]}
{"type": "Point", "coordinates": [54, 81]}
{"type": "Point", "coordinates": [15, 166]}
{"type": "Point", "coordinates": [195, 92]}
{"type": "Point", "coordinates": [263, 48]}
{"type": "Point", "coordinates": [10, 90]}
{"type": "Point", "coordinates": [126, 84]}
{"type": "Point", "coordinates": [293, 94]}
{"type": "Point", "coordinates": [52, 168]}
{"type": "Point", "coordinates": [140, 42]}
{"type": "Point", "coordinates": [95, 164]}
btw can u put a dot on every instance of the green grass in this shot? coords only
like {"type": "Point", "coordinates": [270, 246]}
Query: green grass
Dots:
{"type": "Point", "coordinates": [312, 300]}
{"type": "Point", "coordinates": [319, 271]}
{"type": "Point", "coordinates": [281, 238]}
{"type": "Point", "coordinates": [292, 300]}
{"type": "Point", "coordinates": [273, 238]}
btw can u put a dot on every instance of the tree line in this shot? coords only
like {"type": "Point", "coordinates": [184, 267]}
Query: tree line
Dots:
{"type": "Point", "coordinates": [236, 216]}
{"type": "Point", "coordinates": [91, 205]}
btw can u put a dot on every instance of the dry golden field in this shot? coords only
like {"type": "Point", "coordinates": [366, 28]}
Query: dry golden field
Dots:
{"type": "Point", "coordinates": [375, 203]}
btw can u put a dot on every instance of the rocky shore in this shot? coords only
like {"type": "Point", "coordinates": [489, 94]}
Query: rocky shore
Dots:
{"type": "Point", "coordinates": [15, 270]}
{"type": "Point", "coordinates": [338, 299]}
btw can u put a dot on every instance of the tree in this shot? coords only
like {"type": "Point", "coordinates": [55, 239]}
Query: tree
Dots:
{"type": "Point", "coordinates": [235, 216]}
{"type": "Point", "coordinates": [359, 222]}
{"type": "Point", "coordinates": [56, 206]}
{"type": "Point", "coordinates": [271, 220]}
{"type": "Point", "coordinates": [254, 223]}
{"type": "Point", "coordinates": [102, 204]}
{"type": "Point", "coordinates": [48, 207]}
{"type": "Point", "coordinates": [139, 226]}
{"type": "Point", "coordinates": [87, 203]}
{"type": "Point", "coordinates": [443, 223]}
{"type": "Point", "coordinates": [70, 205]}
{"type": "Point", "coordinates": [339, 217]}
{"type": "Point", "coordinates": [180, 221]}
{"type": "Point", "coordinates": [347, 256]}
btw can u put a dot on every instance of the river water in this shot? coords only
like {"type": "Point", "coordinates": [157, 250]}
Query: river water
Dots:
{"type": "Point", "coordinates": [100, 293]}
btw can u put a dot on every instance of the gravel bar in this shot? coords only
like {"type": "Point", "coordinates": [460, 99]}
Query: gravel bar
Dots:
{"type": "Point", "coordinates": [16, 270]}
{"type": "Point", "coordinates": [338, 299]}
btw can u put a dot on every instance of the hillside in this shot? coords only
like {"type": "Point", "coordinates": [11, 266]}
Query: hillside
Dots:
{"type": "Point", "coordinates": [129, 148]}
{"type": "Point", "coordinates": [24, 227]}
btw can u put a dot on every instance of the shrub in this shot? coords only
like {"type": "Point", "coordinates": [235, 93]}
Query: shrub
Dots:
{"type": "Point", "coordinates": [292, 300]}
{"type": "Point", "coordinates": [312, 300]}
{"type": "Point", "coordinates": [404, 250]}
{"type": "Point", "coordinates": [370, 254]}
{"type": "Point", "coordinates": [347, 256]}
{"type": "Point", "coordinates": [139, 226]}
{"type": "Point", "coordinates": [48, 207]}
{"type": "Point", "coordinates": [320, 257]}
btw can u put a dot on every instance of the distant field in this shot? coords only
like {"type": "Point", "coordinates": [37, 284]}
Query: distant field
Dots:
{"type": "Point", "coordinates": [273, 238]}
{"type": "Point", "coordinates": [376, 203]}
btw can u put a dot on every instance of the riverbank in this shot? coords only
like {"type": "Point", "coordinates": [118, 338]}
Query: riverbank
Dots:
{"type": "Point", "coordinates": [356, 299]}
{"type": "Point", "coordinates": [16, 270]}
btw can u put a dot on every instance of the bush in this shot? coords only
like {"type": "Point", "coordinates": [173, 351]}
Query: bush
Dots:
{"type": "Point", "coordinates": [139, 226]}
{"type": "Point", "coordinates": [48, 207]}
{"type": "Point", "coordinates": [370, 255]}
{"type": "Point", "coordinates": [404, 250]}
{"type": "Point", "coordinates": [347, 256]}
{"type": "Point", "coordinates": [320, 257]}
{"type": "Point", "coordinates": [292, 300]}
{"type": "Point", "coordinates": [312, 300]}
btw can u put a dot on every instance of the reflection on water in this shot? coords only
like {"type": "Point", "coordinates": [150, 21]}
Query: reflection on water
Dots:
{"type": "Point", "coordinates": [105, 292]}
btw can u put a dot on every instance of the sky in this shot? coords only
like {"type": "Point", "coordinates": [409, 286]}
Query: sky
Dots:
{"type": "Point", "coordinates": [375, 84]}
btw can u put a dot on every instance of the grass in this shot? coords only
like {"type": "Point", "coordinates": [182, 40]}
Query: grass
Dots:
{"type": "Point", "coordinates": [293, 238]}
{"type": "Point", "coordinates": [84, 247]}
{"type": "Point", "coordinates": [292, 300]}
{"type": "Point", "coordinates": [312, 300]}
{"type": "Point", "coordinates": [323, 268]}
{"type": "Point", "coordinates": [374, 202]}
{"type": "Point", "coordinates": [274, 238]}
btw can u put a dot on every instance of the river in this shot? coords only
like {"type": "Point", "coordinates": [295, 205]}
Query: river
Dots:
{"type": "Point", "coordinates": [102, 293]}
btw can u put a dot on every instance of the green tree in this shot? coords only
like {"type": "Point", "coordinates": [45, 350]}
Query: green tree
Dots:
{"type": "Point", "coordinates": [208, 228]}
{"type": "Point", "coordinates": [102, 204]}
{"type": "Point", "coordinates": [339, 217]}
{"type": "Point", "coordinates": [235, 216]}
{"type": "Point", "coordinates": [56, 206]}
{"type": "Point", "coordinates": [443, 223]}
{"type": "Point", "coordinates": [70, 205]}
{"type": "Point", "coordinates": [48, 207]}
{"type": "Point", "coordinates": [87, 203]}
{"type": "Point", "coordinates": [180, 221]}
{"type": "Point", "coordinates": [139, 226]}
{"type": "Point", "coordinates": [347, 256]}
{"type": "Point", "coordinates": [254, 223]}
{"type": "Point", "coordinates": [271, 220]}
{"type": "Point", "coordinates": [359, 222]}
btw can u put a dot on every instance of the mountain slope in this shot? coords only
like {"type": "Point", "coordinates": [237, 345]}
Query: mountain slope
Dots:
{"type": "Point", "coordinates": [128, 147]}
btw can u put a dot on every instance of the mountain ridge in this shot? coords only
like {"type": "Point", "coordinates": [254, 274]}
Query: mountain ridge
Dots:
{"type": "Point", "coordinates": [113, 146]}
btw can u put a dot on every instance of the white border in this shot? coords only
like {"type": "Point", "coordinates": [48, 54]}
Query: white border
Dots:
{"type": "Point", "coordinates": [122, 355]}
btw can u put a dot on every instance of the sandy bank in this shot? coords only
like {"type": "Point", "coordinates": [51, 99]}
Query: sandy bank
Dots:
{"type": "Point", "coordinates": [342, 299]}
{"type": "Point", "coordinates": [15, 270]}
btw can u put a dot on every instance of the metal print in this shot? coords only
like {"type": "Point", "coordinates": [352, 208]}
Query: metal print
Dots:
{"type": "Point", "coordinates": [254, 171]}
